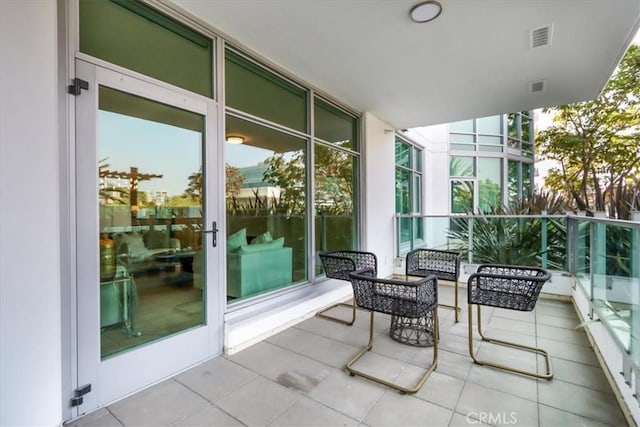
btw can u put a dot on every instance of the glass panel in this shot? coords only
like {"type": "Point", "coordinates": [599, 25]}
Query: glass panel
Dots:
{"type": "Point", "coordinates": [417, 156]}
{"type": "Point", "coordinates": [461, 139]}
{"type": "Point", "coordinates": [462, 147]}
{"type": "Point", "coordinates": [484, 139]}
{"type": "Point", "coordinates": [266, 209]}
{"type": "Point", "coordinates": [527, 184]}
{"type": "Point", "coordinates": [150, 203]}
{"type": "Point", "coordinates": [513, 182]}
{"type": "Point", "coordinates": [335, 194]}
{"type": "Point", "coordinates": [254, 90]}
{"type": "Point", "coordinates": [168, 51]}
{"type": "Point", "coordinates": [462, 166]}
{"type": "Point", "coordinates": [403, 154]}
{"type": "Point", "coordinates": [489, 184]}
{"type": "Point", "coordinates": [403, 191]}
{"type": "Point", "coordinates": [461, 196]}
{"type": "Point", "coordinates": [333, 125]}
{"type": "Point", "coordinates": [405, 231]}
{"type": "Point", "coordinates": [526, 127]}
{"type": "Point", "coordinates": [512, 125]}
{"type": "Point", "coordinates": [465, 126]}
{"type": "Point", "coordinates": [490, 125]}
{"type": "Point", "coordinates": [417, 193]}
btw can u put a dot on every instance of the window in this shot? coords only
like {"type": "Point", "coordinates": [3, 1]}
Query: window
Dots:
{"type": "Point", "coordinates": [261, 93]}
{"type": "Point", "coordinates": [408, 190]}
{"type": "Point", "coordinates": [268, 176]}
{"type": "Point", "coordinates": [483, 134]}
{"type": "Point", "coordinates": [335, 175]}
{"type": "Point", "coordinates": [169, 51]}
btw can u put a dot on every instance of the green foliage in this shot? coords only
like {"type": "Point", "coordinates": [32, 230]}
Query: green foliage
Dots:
{"type": "Point", "coordinates": [596, 145]}
{"type": "Point", "coordinates": [515, 241]}
{"type": "Point", "coordinates": [290, 176]}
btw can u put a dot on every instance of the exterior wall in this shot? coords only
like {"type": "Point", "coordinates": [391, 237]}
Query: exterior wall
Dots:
{"type": "Point", "coordinates": [379, 193]}
{"type": "Point", "coordinates": [30, 331]}
{"type": "Point", "coordinates": [435, 143]}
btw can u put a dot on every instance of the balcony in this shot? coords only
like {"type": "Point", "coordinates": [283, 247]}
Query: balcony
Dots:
{"type": "Point", "coordinates": [595, 264]}
{"type": "Point", "coordinates": [297, 378]}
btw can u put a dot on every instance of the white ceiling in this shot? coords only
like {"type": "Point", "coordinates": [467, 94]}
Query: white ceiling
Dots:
{"type": "Point", "coordinates": [472, 61]}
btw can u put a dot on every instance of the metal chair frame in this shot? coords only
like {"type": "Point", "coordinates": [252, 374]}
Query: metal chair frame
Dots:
{"type": "Point", "coordinates": [444, 264]}
{"type": "Point", "coordinates": [412, 299]}
{"type": "Point", "coordinates": [508, 287]}
{"type": "Point", "coordinates": [338, 265]}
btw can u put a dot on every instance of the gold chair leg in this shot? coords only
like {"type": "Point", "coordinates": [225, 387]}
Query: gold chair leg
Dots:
{"type": "Point", "coordinates": [337, 319]}
{"type": "Point", "coordinates": [455, 307]}
{"type": "Point", "coordinates": [548, 375]}
{"type": "Point", "coordinates": [434, 363]}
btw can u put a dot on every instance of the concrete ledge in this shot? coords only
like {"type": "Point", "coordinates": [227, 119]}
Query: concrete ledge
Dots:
{"type": "Point", "coordinates": [240, 333]}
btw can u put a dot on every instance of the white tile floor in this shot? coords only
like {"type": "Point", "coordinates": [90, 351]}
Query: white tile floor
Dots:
{"type": "Point", "coordinates": [297, 378]}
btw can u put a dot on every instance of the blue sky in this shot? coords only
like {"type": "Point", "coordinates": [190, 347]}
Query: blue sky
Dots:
{"type": "Point", "coordinates": [152, 147]}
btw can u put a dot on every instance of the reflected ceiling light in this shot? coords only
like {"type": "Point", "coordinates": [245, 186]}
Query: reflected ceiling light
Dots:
{"type": "Point", "coordinates": [425, 11]}
{"type": "Point", "coordinates": [235, 139]}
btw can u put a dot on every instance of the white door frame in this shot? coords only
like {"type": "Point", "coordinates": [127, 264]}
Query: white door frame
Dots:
{"type": "Point", "coordinates": [133, 370]}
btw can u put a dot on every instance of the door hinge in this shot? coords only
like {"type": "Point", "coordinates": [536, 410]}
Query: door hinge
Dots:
{"type": "Point", "coordinates": [77, 399]}
{"type": "Point", "coordinates": [77, 86]}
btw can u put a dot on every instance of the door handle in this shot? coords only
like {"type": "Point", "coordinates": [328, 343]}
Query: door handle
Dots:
{"type": "Point", "coordinates": [214, 230]}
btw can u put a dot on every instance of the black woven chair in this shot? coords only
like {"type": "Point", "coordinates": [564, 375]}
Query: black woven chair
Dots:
{"type": "Point", "coordinates": [338, 265]}
{"type": "Point", "coordinates": [408, 299]}
{"type": "Point", "coordinates": [444, 264]}
{"type": "Point", "coordinates": [510, 287]}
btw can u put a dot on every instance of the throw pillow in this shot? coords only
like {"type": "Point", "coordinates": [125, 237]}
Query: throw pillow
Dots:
{"type": "Point", "coordinates": [237, 239]}
{"type": "Point", "coordinates": [259, 247]}
{"type": "Point", "coordinates": [135, 245]}
{"type": "Point", "coordinates": [262, 238]}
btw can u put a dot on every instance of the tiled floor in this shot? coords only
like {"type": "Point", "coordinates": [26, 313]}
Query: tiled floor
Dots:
{"type": "Point", "coordinates": [297, 378]}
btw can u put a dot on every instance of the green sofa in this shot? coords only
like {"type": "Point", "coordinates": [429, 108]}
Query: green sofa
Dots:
{"type": "Point", "coordinates": [261, 265]}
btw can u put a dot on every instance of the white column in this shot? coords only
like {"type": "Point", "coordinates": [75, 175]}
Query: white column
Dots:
{"type": "Point", "coordinates": [30, 343]}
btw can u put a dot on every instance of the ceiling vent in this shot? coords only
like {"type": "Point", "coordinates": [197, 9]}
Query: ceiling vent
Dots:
{"type": "Point", "coordinates": [541, 36]}
{"type": "Point", "coordinates": [537, 86]}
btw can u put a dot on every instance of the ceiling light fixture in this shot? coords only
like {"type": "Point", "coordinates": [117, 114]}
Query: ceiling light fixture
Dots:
{"type": "Point", "coordinates": [425, 11]}
{"type": "Point", "coordinates": [235, 139]}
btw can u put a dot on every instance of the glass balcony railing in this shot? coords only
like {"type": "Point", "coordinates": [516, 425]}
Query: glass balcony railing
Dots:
{"type": "Point", "coordinates": [603, 255]}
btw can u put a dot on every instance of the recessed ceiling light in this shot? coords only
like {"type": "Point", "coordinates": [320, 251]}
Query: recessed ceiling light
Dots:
{"type": "Point", "coordinates": [235, 139]}
{"type": "Point", "coordinates": [425, 11]}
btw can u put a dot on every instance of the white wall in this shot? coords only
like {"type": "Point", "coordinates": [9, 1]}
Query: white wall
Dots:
{"type": "Point", "coordinates": [30, 347]}
{"type": "Point", "coordinates": [435, 141]}
{"type": "Point", "coordinates": [379, 191]}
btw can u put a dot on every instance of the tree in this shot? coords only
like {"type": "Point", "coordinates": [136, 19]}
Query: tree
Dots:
{"type": "Point", "coordinates": [194, 188]}
{"type": "Point", "coordinates": [597, 145]}
{"type": "Point", "coordinates": [289, 174]}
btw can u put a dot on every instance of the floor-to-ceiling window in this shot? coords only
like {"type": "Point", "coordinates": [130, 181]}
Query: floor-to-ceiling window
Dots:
{"type": "Point", "coordinates": [336, 162]}
{"type": "Point", "coordinates": [408, 190]}
{"type": "Point", "coordinates": [271, 148]}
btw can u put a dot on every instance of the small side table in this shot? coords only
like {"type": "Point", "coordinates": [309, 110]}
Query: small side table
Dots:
{"type": "Point", "coordinates": [418, 332]}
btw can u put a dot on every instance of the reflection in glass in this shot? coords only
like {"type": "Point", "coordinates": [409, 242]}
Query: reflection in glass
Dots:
{"type": "Point", "coordinates": [513, 182]}
{"type": "Point", "coordinates": [335, 192]}
{"type": "Point", "coordinates": [266, 209]}
{"type": "Point", "coordinates": [403, 154]}
{"type": "Point", "coordinates": [489, 183]}
{"type": "Point", "coordinates": [461, 166]}
{"type": "Point", "coordinates": [150, 204]}
{"type": "Point", "coordinates": [255, 90]}
{"type": "Point", "coordinates": [169, 51]}
{"type": "Point", "coordinates": [461, 196]}
{"type": "Point", "coordinates": [333, 125]}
